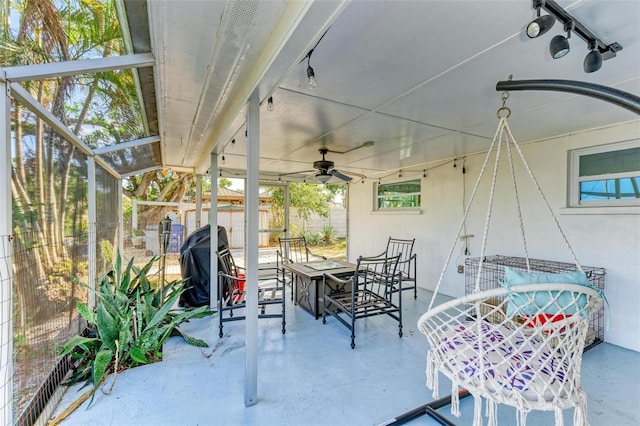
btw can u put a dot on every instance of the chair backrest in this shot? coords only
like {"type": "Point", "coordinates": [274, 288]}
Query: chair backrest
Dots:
{"type": "Point", "coordinates": [227, 266]}
{"type": "Point", "coordinates": [404, 248]}
{"type": "Point", "coordinates": [376, 274]}
{"type": "Point", "coordinates": [294, 250]}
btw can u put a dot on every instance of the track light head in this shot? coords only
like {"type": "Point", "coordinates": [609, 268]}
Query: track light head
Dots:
{"type": "Point", "coordinates": [270, 104]}
{"type": "Point", "coordinates": [540, 25]}
{"type": "Point", "coordinates": [593, 61]}
{"type": "Point", "coordinates": [559, 46]}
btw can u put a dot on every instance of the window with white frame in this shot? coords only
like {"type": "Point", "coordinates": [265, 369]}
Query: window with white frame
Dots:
{"type": "Point", "coordinates": [398, 195]}
{"type": "Point", "coordinates": [607, 175]}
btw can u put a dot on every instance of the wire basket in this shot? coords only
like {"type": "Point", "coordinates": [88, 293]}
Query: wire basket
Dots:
{"type": "Point", "coordinates": [493, 272]}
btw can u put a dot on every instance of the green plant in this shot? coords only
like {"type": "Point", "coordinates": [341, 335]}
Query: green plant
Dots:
{"type": "Point", "coordinates": [329, 234]}
{"type": "Point", "coordinates": [129, 325]}
{"type": "Point", "coordinates": [313, 239]}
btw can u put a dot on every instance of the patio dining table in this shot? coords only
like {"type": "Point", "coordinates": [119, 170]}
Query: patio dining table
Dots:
{"type": "Point", "coordinates": [307, 282]}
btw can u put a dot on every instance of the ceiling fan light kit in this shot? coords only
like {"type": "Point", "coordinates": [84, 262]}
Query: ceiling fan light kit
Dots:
{"type": "Point", "coordinates": [559, 46]}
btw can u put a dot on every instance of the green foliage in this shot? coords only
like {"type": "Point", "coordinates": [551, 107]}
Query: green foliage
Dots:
{"type": "Point", "coordinates": [223, 182]}
{"type": "Point", "coordinates": [329, 234]}
{"type": "Point", "coordinates": [106, 250]}
{"type": "Point", "coordinates": [306, 198]}
{"type": "Point", "coordinates": [132, 320]}
{"type": "Point", "coordinates": [313, 238]}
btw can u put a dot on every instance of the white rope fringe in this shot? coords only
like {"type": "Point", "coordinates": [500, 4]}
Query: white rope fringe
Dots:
{"type": "Point", "coordinates": [522, 418]}
{"type": "Point", "coordinates": [477, 410]}
{"type": "Point", "coordinates": [455, 400]}
{"type": "Point", "coordinates": [492, 413]}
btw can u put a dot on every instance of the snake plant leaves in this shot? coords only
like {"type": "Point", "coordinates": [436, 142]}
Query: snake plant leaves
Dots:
{"type": "Point", "coordinates": [162, 312]}
{"type": "Point", "coordinates": [99, 370]}
{"type": "Point", "coordinates": [107, 326]}
{"type": "Point", "coordinates": [87, 314]}
{"type": "Point", "coordinates": [78, 341]}
{"type": "Point", "coordinates": [189, 339]}
{"type": "Point", "coordinates": [138, 355]}
{"type": "Point", "coordinates": [133, 317]}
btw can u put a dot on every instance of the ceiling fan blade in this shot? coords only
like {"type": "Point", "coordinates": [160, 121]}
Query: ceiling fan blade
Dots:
{"type": "Point", "coordinates": [297, 173]}
{"type": "Point", "coordinates": [339, 175]}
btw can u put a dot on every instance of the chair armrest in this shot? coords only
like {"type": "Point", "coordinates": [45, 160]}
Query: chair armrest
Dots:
{"type": "Point", "coordinates": [336, 279]}
{"type": "Point", "coordinates": [310, 253]}
{"type": "Point", "coordinates": [409, 260]}
{"type": "Point", "coordinates": [268, 273]}
{"type": "Point", "coordinates": [383, 254]}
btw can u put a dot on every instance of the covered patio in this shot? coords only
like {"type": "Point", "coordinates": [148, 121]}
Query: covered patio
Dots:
{"type": "Point", "coordinates": [311, 376]}
{"type": "Point", "coordinates": [394, 100]}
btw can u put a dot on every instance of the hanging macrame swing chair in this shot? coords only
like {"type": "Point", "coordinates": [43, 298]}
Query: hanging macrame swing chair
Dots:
{"type": "Point", "coordinates": [521, 343]}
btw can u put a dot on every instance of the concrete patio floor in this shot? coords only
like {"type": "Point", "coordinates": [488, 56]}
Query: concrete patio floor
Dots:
{"type": "Point", "coordinates": [311, 376]}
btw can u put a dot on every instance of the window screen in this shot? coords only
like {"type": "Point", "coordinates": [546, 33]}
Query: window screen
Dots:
{"type": "Point", "coordinates": [398, 195]}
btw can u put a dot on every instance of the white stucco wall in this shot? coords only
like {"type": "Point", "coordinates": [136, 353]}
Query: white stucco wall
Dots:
{"type": "Point", "coordinates": [600, 239]}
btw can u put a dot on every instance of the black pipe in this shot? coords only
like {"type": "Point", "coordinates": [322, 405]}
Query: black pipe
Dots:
{"type": "Point", "coordinates": [429, 409]}
{"type": "Point", "coordinates": [608, 94]}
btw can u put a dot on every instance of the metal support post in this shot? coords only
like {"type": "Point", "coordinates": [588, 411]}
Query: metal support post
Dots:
{"type": "Point", "coordinates": [93, 237]}
{"type": "Point", "coordinates": [213, 221]}
{"type": "Point", "coordinates": [6, 259]}
{"type": "Point", "coordinates": [198, 212]}
{"type": "Point", "coordinates": [251, 209]}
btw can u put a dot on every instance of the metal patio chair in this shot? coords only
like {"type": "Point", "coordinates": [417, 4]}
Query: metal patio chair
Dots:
{"type": "Point", "coordinates": [293, 250]}
{"type": "Point", "coordinates": [367, 293]}
{"type": "Point", "coordinates": [406, 264]}
{"type": "Point", "coordinates": [232, 291]}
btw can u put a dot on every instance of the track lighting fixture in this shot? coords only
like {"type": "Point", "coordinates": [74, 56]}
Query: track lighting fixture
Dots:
{"type": "Point", "coordinates": [593, 60]}
{"type": "Point", "coordinates": [541, 24]}
{"type": "Point", "coordinates": [223, 159]}
{"type": "Point", "coordinates": [559, 46]}
{"type": "Point", "coordinates": [270, 104]}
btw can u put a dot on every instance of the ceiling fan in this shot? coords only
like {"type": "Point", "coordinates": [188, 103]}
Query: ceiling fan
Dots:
{"type": "Point", "coordinates": [326, 170]}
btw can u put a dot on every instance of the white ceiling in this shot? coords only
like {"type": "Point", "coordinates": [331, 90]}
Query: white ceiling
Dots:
{"type": "Point", "coordinates": [416, 77]}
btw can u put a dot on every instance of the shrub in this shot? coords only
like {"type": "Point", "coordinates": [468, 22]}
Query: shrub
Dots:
{"type": "Point", "coordinates": [329, 234]}
{"type": "Point", "coordinates": [129, 325]}
{"type": "Point", "coordinates": [314, 239]}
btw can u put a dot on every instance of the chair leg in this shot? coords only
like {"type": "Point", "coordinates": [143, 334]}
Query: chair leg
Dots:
{"type": "Point", "coordinates": [353, 330]}
{"type": "Point", "coordinates": [220, 334]}
{"type": "Point", "coordinates": [283, 310]}
{"type": "Point", "coordinates": [400, 314]}
{"type": "Point", "coordinates": [415, 290]}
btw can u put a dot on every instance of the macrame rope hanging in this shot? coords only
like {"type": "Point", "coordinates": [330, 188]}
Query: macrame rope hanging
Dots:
{"type": "Point", "coordinates": [502, 138]}
{"type": "Point", "coordinates": [519, 344]}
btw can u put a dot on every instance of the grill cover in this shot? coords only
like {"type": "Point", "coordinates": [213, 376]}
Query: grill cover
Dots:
{"type": "Point", "coordinates": [196, 267]}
